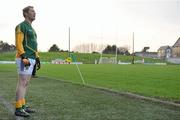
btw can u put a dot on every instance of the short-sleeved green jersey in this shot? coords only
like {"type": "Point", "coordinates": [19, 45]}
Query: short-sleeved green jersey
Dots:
{"type": "Point", "coordinates": [26, 40]}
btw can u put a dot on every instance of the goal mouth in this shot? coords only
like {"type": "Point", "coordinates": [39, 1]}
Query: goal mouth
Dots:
{"type": "Point", "coordinates": [106, 60]}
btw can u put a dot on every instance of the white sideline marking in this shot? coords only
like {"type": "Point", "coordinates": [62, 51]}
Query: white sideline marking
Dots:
{"type": "Point", "coordinates": [128, 94]}
{"type": "Point", "coordinates": [80, 74]}
{"type": "Point", "coordinates": [10, 108]}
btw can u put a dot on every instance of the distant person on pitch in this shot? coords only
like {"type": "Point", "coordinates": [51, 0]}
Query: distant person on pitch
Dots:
{"type": "Point", "coordinates": [26, 57]}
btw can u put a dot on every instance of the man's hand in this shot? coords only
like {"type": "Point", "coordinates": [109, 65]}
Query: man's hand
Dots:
{"type": "Point", "coordinates": [26, 61]}
{"type": "Point", "coordinates": [38, 63]}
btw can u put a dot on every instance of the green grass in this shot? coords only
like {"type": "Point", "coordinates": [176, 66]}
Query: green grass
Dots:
{"type": "Point", "coordinates": [3, 112]}
{"type": "Point", "coordinates": [148, 80]}
{"type": "Point", "coordinates": [54, 99]}
{"type": "Point", "coordinates": [9, 56]}
{"type": "Point", "coordinates": [155, 81]}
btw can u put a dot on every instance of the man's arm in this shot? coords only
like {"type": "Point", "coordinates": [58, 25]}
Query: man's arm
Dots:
{"type": "Point", "coordinates": [19, 45]}
{"type": "Point", "coordinates": [19, 41]}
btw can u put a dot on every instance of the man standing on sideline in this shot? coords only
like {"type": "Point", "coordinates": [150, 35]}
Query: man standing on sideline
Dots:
{"type": "Point", "coordinates": [26, 57]}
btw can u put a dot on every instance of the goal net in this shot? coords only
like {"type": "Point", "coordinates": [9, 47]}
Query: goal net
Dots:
{"type": "Point", "coordinates": [106, 60]}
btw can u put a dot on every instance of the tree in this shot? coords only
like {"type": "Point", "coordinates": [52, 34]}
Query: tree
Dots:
{"type": "Point", "coordinates": [123, 51]}
{"type": "Point", "coordinates": [5, 47]}
{"type": "Point", "coordinates": [145, 49]}
{"type": "Point", "coordinates": [112, 50]}
{"type": "Point", "coordinates": [54, 48]}
{"type": "Point", "coordinates": [86, 48]}
{"type": "Point", "coordinates": [108, 50]}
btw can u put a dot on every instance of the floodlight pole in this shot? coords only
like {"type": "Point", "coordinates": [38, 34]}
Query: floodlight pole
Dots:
{"type": "Point", "coordinates": [133, 50]}
{"type": "Point", "coordinates": [116, 55]}
{"type": "Point", "coordinates": [101, 40]}
{"type": "Point", "coordinates": [116, 44]}
{"type": "Point", "coordinates": [69, 41]}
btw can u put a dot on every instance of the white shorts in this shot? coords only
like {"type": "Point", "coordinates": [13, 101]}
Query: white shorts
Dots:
{"type": "Point", "coordinates": [25, 70]}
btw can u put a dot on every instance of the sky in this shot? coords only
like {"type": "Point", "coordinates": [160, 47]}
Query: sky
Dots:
{"type": "Point", "coordinates": [155, 23]}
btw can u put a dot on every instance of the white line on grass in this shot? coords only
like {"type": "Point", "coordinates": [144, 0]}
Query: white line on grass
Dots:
{"type": "Point", "coordinates": [80, 74]}
{"type": "Point", "coordinates": [133, 95]}
{"type": "Point", "coordinates": [127, 94]}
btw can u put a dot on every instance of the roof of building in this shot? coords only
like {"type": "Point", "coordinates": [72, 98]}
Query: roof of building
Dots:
{"type": "Point", "coordinates": [177, 44]}
{"type": "Point", "coordinates": [164, 47]}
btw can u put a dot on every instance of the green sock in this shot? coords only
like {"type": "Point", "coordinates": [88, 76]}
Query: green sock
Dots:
{"type": "Point", "coordinates": [23, 106]}
{"type": "Point", "coordinates": [19, 108]}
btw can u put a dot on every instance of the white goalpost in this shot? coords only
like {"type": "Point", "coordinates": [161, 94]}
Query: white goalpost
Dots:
{"type": "Point", "coordinates": [109, 60]}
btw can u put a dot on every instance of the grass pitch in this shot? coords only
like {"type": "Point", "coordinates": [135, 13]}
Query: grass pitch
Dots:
{"type": "Point", "coordinates": [148, 80]}
{"type": "Point", "coordinates": [55, 99]}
